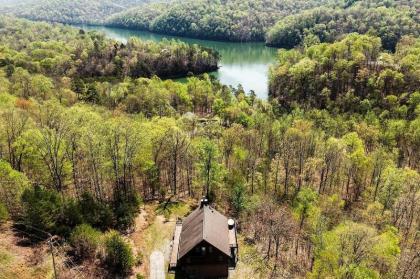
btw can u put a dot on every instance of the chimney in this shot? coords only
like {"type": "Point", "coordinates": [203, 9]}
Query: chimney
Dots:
{"type": "Point", "coordinates": [204, 201]}
{"type": "Point", "coordinates": [231, 224]}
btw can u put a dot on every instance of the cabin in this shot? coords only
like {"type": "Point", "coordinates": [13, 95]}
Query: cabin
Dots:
{"type": "Point", "coordinates": [204, 245]}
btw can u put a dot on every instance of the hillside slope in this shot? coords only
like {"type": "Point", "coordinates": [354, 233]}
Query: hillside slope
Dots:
{"type": "Point", "coordinates": [77, 11]}
{"type": "Point", "coordinates": [389, 21]}
{"type": "Point", "coordinates": [323, 178]}
{"type": "Point", "coordinates": [231, 20]}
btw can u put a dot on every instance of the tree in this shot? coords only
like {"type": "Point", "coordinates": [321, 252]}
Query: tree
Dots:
{"type": "Point", "coordinates": [85, 241]}
{"type": "Point", "coordinates": [381, 160]}
{"type": "Point", "coordinates": [4, 215]}
{"type": "Point", "coordinates": [201, 93]}
{"type": "Point", "coordinates": [209, 166]}
{"type": "Point", "coordinates": [272, 226]}
{"type": "Point", "coordinates": [41, 87]}
{"type": "Point", "coordinates": [391, 187]}
{"type": "Point", "coordinates": [357, 166]}
{"type": "Point", "coordinates": [95, 213]}
{"type": "Point", "coordinates": [12, 185]}
{"type": "Point", "coordinates": [50, 144]}
{"type": "Point", "coordinates": [21, 80]}
{"type": "Point", "coordinates": [237, 191]}
{"type": "Point", "coordinates": [4, 82]}
{"type": "Point", "coordinates": [351, 250]}
{"type": "Point", "coordinates": [41, 210]}
{"type": "Point", "coordinates": [92, 147]}
{"type": "Point", "coordinates": [305, 202]}
{"type": "Point", "coordinates": [406, 204]}
{"type": "Point", "coordinates": [174, 148]}
{"type": "Point", "coordinates": [119, 254]}
{"type": "Point", "coordinates": [122, 142]}
{"type": "Point", "coordinates": [333, 153]}
{"type": "Point", "coordinates": [14, 125]}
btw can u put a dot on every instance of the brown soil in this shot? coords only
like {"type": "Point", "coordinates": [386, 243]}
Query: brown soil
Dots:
{"type": "Point", "coordinates": [19, 259]}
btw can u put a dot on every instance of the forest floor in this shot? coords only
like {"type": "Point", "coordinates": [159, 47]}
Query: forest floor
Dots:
{"type": "Point", "coordinates": [250, 263]}
{"type": "Point", "coordinates": [20, 260]}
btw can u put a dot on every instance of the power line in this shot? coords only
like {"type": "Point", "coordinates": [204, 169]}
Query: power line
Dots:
{"type": "Point", "coordinates": [49, 241]}
{"type": "Point", "coordinates": [34, 228]}
{"type": "Point", "coordinates": [54, 245]}
{"type": "Point", "coordinates": [53, 258]}
{"type": "Point", "coordinates": [29, 234]}
{"type": "Point", "coordinates": [73, 264]}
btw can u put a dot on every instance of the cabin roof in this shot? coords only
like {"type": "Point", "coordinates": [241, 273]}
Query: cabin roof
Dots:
{"type": "Point", "coordinates": [204, 224]}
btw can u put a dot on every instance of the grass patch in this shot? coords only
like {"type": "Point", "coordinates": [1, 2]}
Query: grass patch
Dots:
{"type": "Point", "coordinates": [157, 235]}
{"type": "Point", "coordinates": [5, 258]}
{"type": "Point", "coordinates": [157, 230]}
{"type": "Point", "coordinates": [12, 266]}
{"type": "Point", "coordinates": [173, 209]}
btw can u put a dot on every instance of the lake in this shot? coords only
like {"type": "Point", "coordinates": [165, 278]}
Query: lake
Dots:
{"type": "Point", "coordinates": [241, 63]}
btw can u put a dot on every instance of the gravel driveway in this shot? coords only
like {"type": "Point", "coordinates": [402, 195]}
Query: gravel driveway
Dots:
{"type": "Point", "coordinates": [157, 265]}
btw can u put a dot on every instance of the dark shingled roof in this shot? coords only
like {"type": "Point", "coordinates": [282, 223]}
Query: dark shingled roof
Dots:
{"type": "Point", "coordinates": [204, 223]}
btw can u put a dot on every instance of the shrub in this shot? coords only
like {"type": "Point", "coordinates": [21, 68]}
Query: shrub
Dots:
{"type": "Point", "coordinates": [42, 208]}
{"type": "Point", "coordinates": [139, 258]}
{"type": "Point", "coordinates": [118, 253]}
{"type": "Point", "coordinates": [95, 213]}
{"type": "Point", "coordinates": [71, 216]}
{"type": "Point", "coordinates": [125, 214]}
{"type": "Point", "coordinates": [125, 211]}
{"type": "Point", "coordinates": [12, 185]}
{"type": "Point", "coordinates": [85, 241]}
{"type": "Point", "coordinates": [45, 210]}
{"type": "Point", "coordinates": [4, 215]}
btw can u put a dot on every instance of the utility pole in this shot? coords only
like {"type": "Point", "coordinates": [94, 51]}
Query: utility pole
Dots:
{"type": "Point", "coordinates": [50, 238]}
{"type": "Point", "coordinates": [53, 258]}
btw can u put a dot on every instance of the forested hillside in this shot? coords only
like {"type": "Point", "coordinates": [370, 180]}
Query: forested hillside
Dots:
{"type": "Point", "coordinates": [283, 24]}
{"type": "Point", "coordinates": [388, 20]}
{"type": "Point", "coordinates": [351, 75]}
{"type": "Point", "coordinates": [279, 23]}
{"type": "Point", "coordinates": [76, 11]}
{"type": "Point", "coordinates": [323, 178]}
{"type": "Point", "coordinates": [231, 20]}
{"type": "Point", "coordinates": [57, 50]}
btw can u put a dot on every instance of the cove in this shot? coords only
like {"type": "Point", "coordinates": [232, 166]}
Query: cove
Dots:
{"type": "Point", "coordinates": [241, 63]}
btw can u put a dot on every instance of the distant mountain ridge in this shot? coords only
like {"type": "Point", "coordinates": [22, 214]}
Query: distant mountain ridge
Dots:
{"type": "Point", "coordinates": [389, 21]}
{"type": "Point", "coordinates": [64, 11]}
{"type": "Point", "coordinates": [228, 20]}
{"type": "Point", "coordinates": [278, 23]}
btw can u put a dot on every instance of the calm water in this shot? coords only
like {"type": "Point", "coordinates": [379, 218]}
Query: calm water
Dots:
{"type": "Point", "coordinates": [241, 63]}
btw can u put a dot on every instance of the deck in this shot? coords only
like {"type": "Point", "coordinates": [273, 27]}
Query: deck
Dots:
{"type": "Point", "coordinates": [175, 246]}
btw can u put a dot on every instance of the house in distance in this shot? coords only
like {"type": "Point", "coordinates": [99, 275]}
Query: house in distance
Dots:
{"type": "Point", "coordinates": [204, 245]}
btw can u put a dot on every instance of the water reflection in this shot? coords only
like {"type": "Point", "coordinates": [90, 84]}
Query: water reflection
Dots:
{"type": "Point", "coordinates": [241, 63]}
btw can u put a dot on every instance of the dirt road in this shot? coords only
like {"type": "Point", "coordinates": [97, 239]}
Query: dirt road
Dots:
{"type": "Point", "coordinates": [157, 265]}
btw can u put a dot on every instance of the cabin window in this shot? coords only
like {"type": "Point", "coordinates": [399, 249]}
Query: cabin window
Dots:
{"type": "Point", "coordinates": [203, 250]}
{"type": "Point", "coordinates": [210, 249]}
